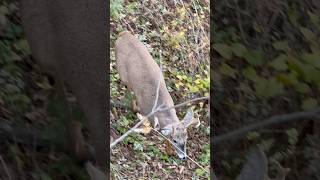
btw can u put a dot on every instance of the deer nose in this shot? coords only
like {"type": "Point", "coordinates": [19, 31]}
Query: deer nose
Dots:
{"type": "Point", "coordinates": [184, 158]}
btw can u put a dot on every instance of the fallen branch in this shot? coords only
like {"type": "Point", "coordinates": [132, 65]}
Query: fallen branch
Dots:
{"type": "Point", "coordinates": [279, 119]}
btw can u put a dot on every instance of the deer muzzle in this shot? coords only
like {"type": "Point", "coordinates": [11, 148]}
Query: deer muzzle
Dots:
{"type": "Point", "coordinates": [181, 151]}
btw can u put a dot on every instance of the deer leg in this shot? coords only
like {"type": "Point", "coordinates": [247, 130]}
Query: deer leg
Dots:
{"type": "Point", "coordinates": [134, 105]}
{"type": "Point", "coordinates": [76, 144]}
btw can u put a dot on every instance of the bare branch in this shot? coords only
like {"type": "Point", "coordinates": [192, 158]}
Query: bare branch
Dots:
{"type": "Point", "coordinates": [185, 103]}
{"type": "Point", "coordinates": [279, 119]}
{"type": "Point", "coordinates": [126, 134]}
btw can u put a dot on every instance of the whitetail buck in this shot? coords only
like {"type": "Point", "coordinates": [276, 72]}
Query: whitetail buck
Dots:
{"type": "Point", "coordinates": [142, 74]}
{"type": "Point", "coordinates": [68, 38]}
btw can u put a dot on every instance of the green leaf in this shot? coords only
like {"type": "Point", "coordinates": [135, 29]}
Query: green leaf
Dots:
{"type": "Point", "coordinates": [239, 49]}
{"type": "Point", "coordinates": [268, 87]}
{"type": "Point", "coordinates": [227, 70]}
{"type": "Point", "coordinates": [23, 46]}
{"type": "Point", "coordinates": [165, 157]}
{"type": "Point", "coordinates": [309, 103]}
{"type": "Point", "coordinates": [293, 16]}
{"type": "Point", "coordinates": [280, 63]}
{"type": "Point", "coordinates": [193, 89]}
{"type": "Point", "coordinates": [315, 19]}
{"type": "Point", "coordinates": [293, 136]}
{"type": "Point", "coordinates": [116, 7]}
{"type": "Point", "coordinates": [250, 73]}
{"type": "Point", "coordinates": [308, 34]}
{"type": "Point", "coordinates": [137, 146]}
{"type": "Point", "coordinates": [254, 57]}
{"type": "Point", "coordinates": [281, 46]}
{"type": "Point", "coordinates": [253, 135]}
{"type": "Point", "coordinates": [294, 64]}
{"type": "Point", "coordinates": [310, 73]}
{"type": "Point", "coordinates": [287, 79]}
{"type": "Point", "coordinates": [312, 59]}
{"type": "Point", "coordinates": [302, 87]}
{"type": "Point", "coordinates": [224, 50]}
{"type": "Point", "coordinates": [199, 172]}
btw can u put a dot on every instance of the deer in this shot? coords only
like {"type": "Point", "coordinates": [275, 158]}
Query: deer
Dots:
{"type": "Point", "coordinates": [66, 40]}
{"type": "Point", "coordinates": [141, 74]}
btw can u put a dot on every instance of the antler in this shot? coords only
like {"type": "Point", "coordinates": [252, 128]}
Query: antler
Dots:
{"type": "Point", "coordinates": [189, 119]}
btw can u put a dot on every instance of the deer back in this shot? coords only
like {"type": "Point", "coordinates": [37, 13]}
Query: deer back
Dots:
{"type": "Point", "coordinates": [141, 74]}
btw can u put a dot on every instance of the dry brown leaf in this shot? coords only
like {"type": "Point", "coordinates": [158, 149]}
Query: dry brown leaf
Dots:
{"type": "Point", "coordinates": [146, 128]}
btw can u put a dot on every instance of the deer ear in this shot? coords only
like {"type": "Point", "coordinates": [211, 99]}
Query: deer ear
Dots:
{"type": "Point", "coordinates": [189, 119]}
{"type": "Point", "coordinates": [167, 130]}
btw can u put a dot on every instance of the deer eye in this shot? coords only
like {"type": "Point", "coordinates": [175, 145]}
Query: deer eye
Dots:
{"type": "Point", "coordinates": [174, 141]}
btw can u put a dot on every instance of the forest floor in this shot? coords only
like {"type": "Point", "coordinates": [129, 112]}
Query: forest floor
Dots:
{"type": "Point", "coordinates": [176, 34]}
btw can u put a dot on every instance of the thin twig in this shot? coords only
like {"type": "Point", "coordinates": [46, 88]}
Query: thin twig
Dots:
{"type": "Point", "coordinates": [157, 94]}
{"type": "Point", "coordinates": [182, 151]}
{"type": "Point", "coordinates": [279, 119]}
{"type": "Point", "coordinates": [185, 103]}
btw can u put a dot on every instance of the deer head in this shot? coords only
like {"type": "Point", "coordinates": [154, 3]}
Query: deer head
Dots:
{"type": "Point", "coordinates": [177, 133]}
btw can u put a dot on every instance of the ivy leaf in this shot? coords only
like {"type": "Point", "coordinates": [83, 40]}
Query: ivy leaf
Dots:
{"type": "Point", "coordinates": [308, 34]}
{"type": "Point", "coordinates": [268, 88]}
{"type": "Point", "coordinates": [227, 70]}
{"type": "Point", "coordinates": [302, 88]}
{"type": "Point", "coordinates": [311, 74]}
{"type": "Point", "coordinates": [287, 79]}
{"type": "Point", "coordinates": [254, 57]}
{"type": "Point", "coordinates": [250, 73]}
{"type": "Point", "coordinates": [293, 136]}
{"type": "Point", "coordinates": [312, 59]}
{"type": "Point", "coordinates": [293, 16]}
{"type": "Point", "coordinates": [281, 46]}
{"type": "Point", "coordinates": [23, 47]}
{"type": "Point", "coordinates": [280, 63]}
{"type": "Point", "coordinates": [315, 19]}
{"type": "Point", "coordinates": [309, 103]}
{"type": "Point", "coordinates": [224, 50]}
{"type": "Point", "coordinates": [239, 49]}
